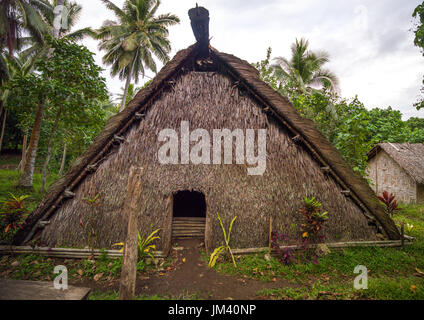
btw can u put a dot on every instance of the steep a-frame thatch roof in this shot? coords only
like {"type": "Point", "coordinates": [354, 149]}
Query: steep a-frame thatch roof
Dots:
{"type": "Point", "coordinates": [409, 156]}
{"type": "Point", "coordinates": [247, 77]}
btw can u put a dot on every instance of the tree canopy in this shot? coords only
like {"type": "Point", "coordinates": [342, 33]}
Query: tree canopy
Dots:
{"type": "Point", "coordinates": [418, 14]}
{"type": "Point", "coordinates": [347, 123]}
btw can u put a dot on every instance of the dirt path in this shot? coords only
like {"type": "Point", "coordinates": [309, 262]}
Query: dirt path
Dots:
{"type": "Point", "coordinates": [191, 278]}
{"type": "Point", "coordinates": [194, 277]}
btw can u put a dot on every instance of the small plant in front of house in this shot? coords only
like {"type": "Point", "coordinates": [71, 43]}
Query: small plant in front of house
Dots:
{"type": "Point", "coordinates": [390, 202]}
{"type": "Point", "coordinates": [409, 227]}
{"type": "Point", "coordinates": [311, 228]}
{"type": "Point", "coordinates": [146, 248]}
{"type": "Point", "coordinates": [310, 232]}
{"type": "Point", "coordinates": [313, 219]}
{"type": "Point", "coordinates": [224, 248]}
{"type": "Point", "coordinates": [286, 254]}
{"type": "Point", "coordinates": [12, 215]}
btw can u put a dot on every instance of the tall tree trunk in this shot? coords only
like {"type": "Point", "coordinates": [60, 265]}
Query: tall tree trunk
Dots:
{"type": "Point", "coordinates": [62, 163]}
{"type": "Point", "coordinates": [26, 178]}
{"type": "Point", "coordinates": [2, 128]}
{"type": "Point", "coordinates": [24, 153]}
{"type": "Point", "coordinates": [1, 108]}
{"type": "Point", "coordinates": [127, 85]}
{"type": "Point", "coordinates": [27, 175]}
{"type": "Point", "coordinates": [49, 150]}
{"type": "Point", "coordinates": [57, 22]}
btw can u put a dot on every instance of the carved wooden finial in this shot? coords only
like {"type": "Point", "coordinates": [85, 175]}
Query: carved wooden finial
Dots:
{"type": "Point", "coordinates": [199, 17]}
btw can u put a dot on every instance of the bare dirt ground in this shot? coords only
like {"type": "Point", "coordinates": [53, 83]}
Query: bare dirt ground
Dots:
{"type": "Point", "coordinates": [192, 277]}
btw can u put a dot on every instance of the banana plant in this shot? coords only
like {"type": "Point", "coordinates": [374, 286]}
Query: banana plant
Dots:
{"type": "Point", "coordinates": [226, 247]}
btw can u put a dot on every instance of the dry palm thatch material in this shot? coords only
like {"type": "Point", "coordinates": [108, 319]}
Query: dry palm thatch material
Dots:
{"type": "Point", "coordinates": [409, 156]}
{"type": "Point", "coordinates": [230, 95]}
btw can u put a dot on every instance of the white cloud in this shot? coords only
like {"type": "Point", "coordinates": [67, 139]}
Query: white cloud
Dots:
{"type": "Point", "coordinates": [370, 42]}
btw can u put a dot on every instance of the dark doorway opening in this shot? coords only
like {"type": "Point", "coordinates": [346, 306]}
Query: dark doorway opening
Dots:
{"type": "Point", "coordinates": [189, 204]}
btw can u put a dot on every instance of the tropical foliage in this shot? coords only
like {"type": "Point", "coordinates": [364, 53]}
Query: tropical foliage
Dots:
{"type": "Point", "coordinates": [72, 96]}
{"type": "Point", "coordinates": [305, 70]}
{"type": "Point", "coordinates": [347, 123]}
{"type": "Point", "coordinates": [53, 100]}
{"type": "Point", "coordinates": [298, 245]}
{"type": "Point", "coordinates": [20, 16]}
{"type": "Point", "coordinates": [390, 202]}
{"type": "Point", "coordinates": [418, 14]}
{"type": "Point", "coordinates": [146, 247]}
{"type": "Point", "coordinates": [72, 13]}
{"type": "Point", "coordinates": [132, 42]}
{"type": "Point", "coordinates": [12, 215]}
{"type": "Point", "coordinates": [225, 247]}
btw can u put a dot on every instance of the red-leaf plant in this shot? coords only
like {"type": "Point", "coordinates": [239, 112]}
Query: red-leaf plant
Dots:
{"type": "Point", "coordinates": [13, 213]}
{"type": "Point", "coordinates": [390, 202]}
{"type": "Point", "coordinates": [313, 221]}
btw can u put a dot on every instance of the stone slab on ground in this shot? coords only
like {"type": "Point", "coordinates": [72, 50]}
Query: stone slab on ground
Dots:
{"type": "Point", "coordinates": [37, 290]}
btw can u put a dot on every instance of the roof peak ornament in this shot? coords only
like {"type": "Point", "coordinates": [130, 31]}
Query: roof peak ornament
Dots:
{"type": "Point", "coordinates": [199, 17]}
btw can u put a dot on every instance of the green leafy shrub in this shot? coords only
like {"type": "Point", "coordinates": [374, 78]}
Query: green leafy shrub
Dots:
{"type": "Point", "coordinates": [314, 219]}
{"type": "Point", "coordinates": [146, 248]}
{"type": "Point", "coordinates": [12, 215]}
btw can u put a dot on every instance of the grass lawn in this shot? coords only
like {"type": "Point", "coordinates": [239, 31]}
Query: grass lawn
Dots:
{"type": "Point", "coordinates": [393, 273]}
{"type": "Point", "coordinates": [113, 295]}
{"type": "Point", "coordinates": [8, 184]}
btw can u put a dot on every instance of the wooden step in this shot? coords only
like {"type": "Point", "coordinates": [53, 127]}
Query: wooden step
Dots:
{"type": "Point", "coordinates": [189, 222]}
{"type": "Point", "coordinates": [188, 232]}
{"type": "Point", "coordinates": [187, 237]}
{"type": "Point", "coordinates": [185, 232]}
{"type": "Point", "coordinates": [189, 219]}
{"type": "Point", "coordinates": [188, 227]}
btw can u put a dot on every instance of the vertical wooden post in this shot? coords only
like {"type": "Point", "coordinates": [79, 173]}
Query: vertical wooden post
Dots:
{"type": "Point", "coordinates": [167, 226]}
{"type": "Point", "coordinates": [270, 235]}
{"type": "Point", "coordinates": [131, 207]}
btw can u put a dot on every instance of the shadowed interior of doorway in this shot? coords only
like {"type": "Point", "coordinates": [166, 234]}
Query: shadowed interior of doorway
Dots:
{"type": "Point", "coordinates": [189, 215]}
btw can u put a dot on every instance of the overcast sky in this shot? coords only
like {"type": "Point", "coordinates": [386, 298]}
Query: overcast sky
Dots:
{"type": "Point", "coordinates": [370, 42]}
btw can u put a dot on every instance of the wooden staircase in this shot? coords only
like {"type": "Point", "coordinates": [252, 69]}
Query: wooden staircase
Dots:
{"type": "Point", "coordinates": [188, 228]}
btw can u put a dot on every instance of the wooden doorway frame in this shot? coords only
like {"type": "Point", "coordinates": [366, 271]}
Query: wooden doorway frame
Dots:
{"type": "Point", "coordinates": [167, 225]}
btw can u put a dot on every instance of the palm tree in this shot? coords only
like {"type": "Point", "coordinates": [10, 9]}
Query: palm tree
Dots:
{"type": "Point", "coordinates": [20, 16]}
{"type": "Point", "coordinates": [73, 13]}
{"type": "Point", "coordinates": [4, 71]}
{"type": "Point", "coordinates": [16, 67]}
{"type": "Point", "coordinates": [131, 42]}
{"type": "Point", "coordinates": [305, 69]}
{"type": "Point", "coordinates": [4, 77]}
{"type": "Point", "coordinates": [28, 166]}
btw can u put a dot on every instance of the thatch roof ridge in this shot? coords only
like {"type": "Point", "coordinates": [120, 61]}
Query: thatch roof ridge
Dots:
{"type": "Point", "coordinates": [409, 156]}
{"type": "Point", "coordinates": [290, 117]}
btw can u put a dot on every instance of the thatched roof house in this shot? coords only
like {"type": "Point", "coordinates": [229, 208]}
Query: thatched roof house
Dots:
{"type": "Point", "coordinates": [211, 91]}
{"type": "Point", "coordinates": [398, 168]}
